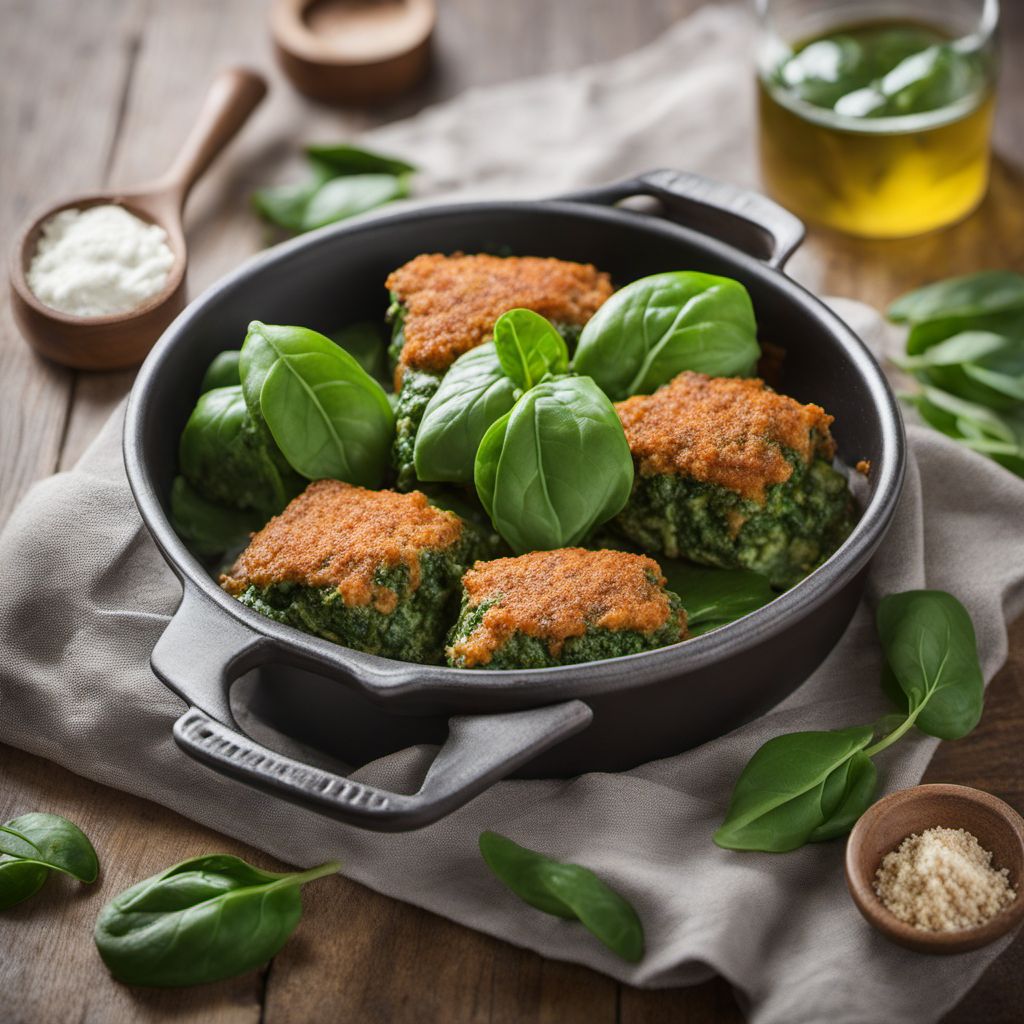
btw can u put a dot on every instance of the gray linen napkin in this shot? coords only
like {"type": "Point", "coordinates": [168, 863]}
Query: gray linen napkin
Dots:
{"type": "Point", "coordinates": [86, 596]}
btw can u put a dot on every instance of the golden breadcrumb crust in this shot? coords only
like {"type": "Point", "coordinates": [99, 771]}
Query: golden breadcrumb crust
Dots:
{"type": "Point", "coordinates": [453, 301]}
{"type": "Point", "coordinates": [723, 430]}
{"type": "Point", "coordinates": [338, 535]}
{"type": "Point", "coordinates": [555, 595]}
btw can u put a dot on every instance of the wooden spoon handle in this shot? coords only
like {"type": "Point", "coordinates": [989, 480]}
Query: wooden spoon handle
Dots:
{"type": "Point", "coordinates": [234, 95]}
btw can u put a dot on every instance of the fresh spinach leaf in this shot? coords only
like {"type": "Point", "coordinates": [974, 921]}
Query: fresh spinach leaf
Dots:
{"type": "Point", "coordinates": [204, 919]}
{"type": "Point", "coordinates": [923, 335]}
{"type": "Point", "coordinates": [222, 371]}
{"type": "Point", "coordinates": [568, 891]}
{"type": "Point", "coordinates": [474, 393]}
{"type": "Point", "coordinates": [930, 648]}
{"type": "Point", "coordinates": [651, 330]}
{"type": "Point", "coordinates": [528, 347]}
{"type": "Point", "coordinates": [326, 414]}
{"type": "Point", "coordinates": [19, 880]}
{"type": "Point", "coordinates": [343, 158]}
{"type": "Point", "coordinates": [555, 466]}
{"type": "Point", "coordinates": [364, 343]}
{"type": "Point", "coordinates": [341, 198]}
{"type": "Point", "coordinates": [974, 295]}
{"type": "Point", "coordinates": [207, 527]}
{"type": "Point", "coordinates": [796, 786]}
{"type": "Point", "coordinates": [960, 348]}
{"type": "Point", "coordinates": [285, 205]}
{"type": "Point", "coordinates": [714, 597]}
{"type": "Point", "coordinates": [230, 458]}
{"type": "Point", "coordinates": [33, 845]}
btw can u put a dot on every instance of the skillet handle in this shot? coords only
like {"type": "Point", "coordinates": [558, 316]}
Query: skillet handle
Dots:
{"type": "Point", "coordinates": [738, 216]}
{"type": "Point", "coordinates": [480, 750]}
{"type": "Point", "coordinates": [204, 649]}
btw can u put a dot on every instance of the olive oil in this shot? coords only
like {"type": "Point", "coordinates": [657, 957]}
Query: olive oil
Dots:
{"type": "Point", "coordinates": [880, 130]}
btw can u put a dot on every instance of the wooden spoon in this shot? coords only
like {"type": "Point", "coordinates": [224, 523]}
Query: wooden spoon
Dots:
{"type": "Point", "coordinates": [121, 340]}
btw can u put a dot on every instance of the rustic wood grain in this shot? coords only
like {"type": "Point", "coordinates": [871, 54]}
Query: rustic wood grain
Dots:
{"type": "Point", "coordinates": [103, 93]}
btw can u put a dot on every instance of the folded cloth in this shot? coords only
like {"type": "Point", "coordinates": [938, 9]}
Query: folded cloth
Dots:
{"type": "Point", "coordinates": [86, 595]}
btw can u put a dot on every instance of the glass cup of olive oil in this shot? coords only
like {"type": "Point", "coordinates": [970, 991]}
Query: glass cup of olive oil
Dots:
{"type": "Point", "coordinates": [876, 118]}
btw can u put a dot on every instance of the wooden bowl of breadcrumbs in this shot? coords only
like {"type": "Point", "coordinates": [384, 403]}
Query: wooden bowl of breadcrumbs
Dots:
{"type": "Point", "coordinates": [939, 869]}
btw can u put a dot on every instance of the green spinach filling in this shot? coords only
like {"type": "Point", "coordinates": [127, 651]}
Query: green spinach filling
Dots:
{"type": "Point", "coordinates": [523, 651]}
{"type": "Point", "coordinates": [800, 524]}
{"type": "Point", "coordinates": [413, 631]}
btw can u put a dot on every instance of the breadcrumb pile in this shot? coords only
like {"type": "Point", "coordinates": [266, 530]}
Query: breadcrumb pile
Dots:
{"type": "Point", "coordinates": [943, 881]}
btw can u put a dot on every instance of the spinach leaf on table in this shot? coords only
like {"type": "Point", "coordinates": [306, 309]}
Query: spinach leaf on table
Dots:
{"type": "Point", "coordinates": [343, 158]}
{"type": "Point", "coordinates": [341, 198]}
{"type": "Point", "coordinates": [327, 415]}
{"type": "Point", "coordinates": [32, 845]}
{"type": "Point", "coordinates": [528, 347]}
{"type": "Point", "coordinates": [554, 467]}
{"type": "Point", "coordinates": [202, 920]}
{"type": "Point", "coordinates": [973, 295]}
{"type": "Point", "coordinates": [568, 891]}
{"type": "Point", "coordinates": [930, 650]}
{"type": "Point", "coordinates": [342, 181]}
{"type": "Point", "coordinates": [474, 393]}
{"type": "Point", "coordinates": [654, 328]}
{"type": "Point", "coordinates": [797, 786]}
{"type": "Point", "coordinates": [811, 786]}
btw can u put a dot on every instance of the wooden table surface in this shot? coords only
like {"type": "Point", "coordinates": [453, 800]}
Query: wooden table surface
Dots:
{"type": "Point", "coordinates": [103, 93]}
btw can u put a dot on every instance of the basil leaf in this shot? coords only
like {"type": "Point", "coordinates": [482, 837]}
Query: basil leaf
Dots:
{"type": "Point", "coordinates": [528, 347]}
{"type": "Point", "coordinates": [222, 371]}
{"type": "Point", "coordinates": [651, 330]}
{"type": "Point", "coordinates": [568, 891]}
{"type": "Point", "coordinates": [794, 787]}
{"type": "Point", "coordinates": [202, 920]}
{"type": "Point", "coordinates": [326, 414]}
{"type": "Point", "coordinates": [474, 393]}
{"type": "Point", "coordinates": [554, 467]}
{"type": "Point", "coordinates": [988, 291]}
{"type": "Point", "coordinates": [929, 645]}
{"type": "Point", "coordinates": [206, 526]}
{"type": "Point", "coordinates": [714, 597]}
{"type": "Point", "coordinates": [341, 198]}
{"type": "Point", "coordinates": [364, 343]}
{"type": "Point", "coordinates": [230, 458]}
{"type": "Point", "coordinates": [19, 879]}
{"type": "Point", "coordinates": [342, 158]}
{"type": "Point", "coordinates": [52, 841]}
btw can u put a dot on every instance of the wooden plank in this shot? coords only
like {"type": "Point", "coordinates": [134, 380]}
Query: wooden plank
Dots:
{"type": "Point", "coordinates": [369, 958]}
{"type": "Point", "coordinates": [64, 65]}
{"type": "Point", "coordinates": [50, 971]}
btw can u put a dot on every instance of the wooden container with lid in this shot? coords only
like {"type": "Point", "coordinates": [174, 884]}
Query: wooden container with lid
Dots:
{"type": "Point", "coordinates": [358, 52]}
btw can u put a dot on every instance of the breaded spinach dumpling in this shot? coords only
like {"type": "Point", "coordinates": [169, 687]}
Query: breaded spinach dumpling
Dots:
{"type": "Point", "coordinates": [729, 473]}
{"type": "Point", "coordinates": [443, 306]}
{"type": "Point", "coordinates": [563, 607]}
{"type": "Point", "coordinates": [377, 571]}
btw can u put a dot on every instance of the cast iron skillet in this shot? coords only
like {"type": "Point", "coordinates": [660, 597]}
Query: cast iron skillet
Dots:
{"type": "Point", "coordinates": [560, 721]}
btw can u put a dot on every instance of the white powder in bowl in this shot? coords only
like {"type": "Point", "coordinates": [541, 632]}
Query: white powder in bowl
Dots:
{"type": "Point", "coordinates": [99, 261]}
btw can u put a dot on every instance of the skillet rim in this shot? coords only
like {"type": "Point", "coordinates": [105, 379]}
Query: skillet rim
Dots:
{"type": "Point", "coordinates": [382, 678]}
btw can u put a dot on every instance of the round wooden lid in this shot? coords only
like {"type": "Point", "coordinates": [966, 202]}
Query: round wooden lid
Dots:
{"type": "Point", "coordinates": [353, 51]}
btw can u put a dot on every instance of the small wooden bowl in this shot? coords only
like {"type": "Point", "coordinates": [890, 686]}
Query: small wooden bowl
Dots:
{"type": "Point", "coordinates": [995, 824]}
{"type": "Point", "coordinates": [360, 52]}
